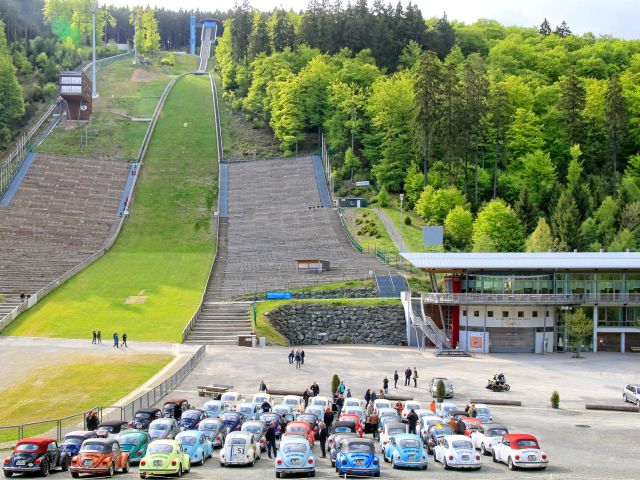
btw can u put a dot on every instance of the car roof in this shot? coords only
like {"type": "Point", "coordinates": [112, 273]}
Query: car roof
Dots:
{"type": "Point", "coordinates": [395, 425]}
{"type": "Point", "coordinates": [194, 410]}
{"type": "Point", "coordinates": [239, 433]}
{"type": "Point", "coordinates": [412, 436]}
{"type": "Point", "coordinates": [514, 437]}
{"type": "Point", "coordinates": [140, 433]}
{"type": "Point", "coordinates": [147, 410]}
{"type": "Point", "coordinates": [489, 426]}
{"type": "Point", "coordinates": [296, 423]}
{"type": "Point", "coordinates": [249, 422]}
{"type": "Point", "coordinates": [482, 405]}
{"type": "Point", "coordinates": [188, 433]}
{"type": "Point", "coordinates": [81, 433]}
{"type": "Point", "coordinates": [297, 397]}
{"type": "Point", "coordinates": [175, 400]}
{"type": "Point", "coordinates": [40, 441]}
{"type": "Point", "coordinates": [213, 402]}
{"type": "Point", "coordinates": [112, 423]}
{"type": "Point", "coordinates": [163, 420]}
{"type": "Point", "coordinates": [358, 440]}
{"type": "Point", "coordinates": [100, 440]}
{"type": "Point", "coordinates": [293, 438]}
{"type": "Point", "coordinates": [165, 441]}
{"type": "Point", "coordinates": [457, 437]}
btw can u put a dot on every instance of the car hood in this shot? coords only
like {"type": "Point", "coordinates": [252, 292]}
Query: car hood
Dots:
{"type": "Point", "coordinates": [359, 460]}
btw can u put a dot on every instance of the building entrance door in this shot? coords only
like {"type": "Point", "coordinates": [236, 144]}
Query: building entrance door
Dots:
{"type": "Point", "coordinates": [512, 340]}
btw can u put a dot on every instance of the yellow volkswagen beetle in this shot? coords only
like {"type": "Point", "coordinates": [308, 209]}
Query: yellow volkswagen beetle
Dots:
{"type": "Point", "coordinates": [164, 457]}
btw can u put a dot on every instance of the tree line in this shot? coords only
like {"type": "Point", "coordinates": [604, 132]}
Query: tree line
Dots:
{"type": "Point", "coordinates": [512, 138]}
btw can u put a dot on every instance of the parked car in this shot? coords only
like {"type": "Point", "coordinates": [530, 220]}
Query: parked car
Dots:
{"type": "Point", "coordinates": [310, 418]}
{"type": "Point", "coordinates": [259, 429]}
{"type": "Point", "coordinates": [471, 423]}
{"type": "Point", "coordinates": [354, 402]}
{"type": "Point", "coordinates": [390, 429]}
{"type": "Point", "coordinates": [135, 443]}
{"type": "Point", "coordinates": [406, 450]}
{"type": "Point", "coordinates": [435, 433]}
{"type": "Point", "coordinates": [335, 442]}
{"type": "Point", "coordinates": [381, 403]}
{"type": "Point", "coordinates": [355, 411]}
{"type": "Point", "coordinates": [230, 399]}
{"type": "Point", "coordinates": [487, 435]}
{"type": "Point", "coordinates": [251, 411]}
{"type": "Point", "coordinates": [164, 457]}
{"type": "Point", "coordinates": [294, 457]}
{"type": "Point", "coordinates": [260, 397]}
{"type": "Point", "coordinates": [320, 402]}
{"type": "Point", "coordinates": [354, 418]}
{"type": "Point", "coordinates": [448, 387]}
{"type": "Point", "coordinates": [100, 456]}
{"type": "Point", "coordinates": [35, 455]}
{"type": "Point", "coordinates": [315, 410]}
{"type": "Point", "coordinates": [388, 412]}
{"type": "Point", "coordinates": [484, 413]}
{"type": "Point", "coordinates": [408, 406]}
{"type": "Point", "coordinates": [425, 423]}
{"type": "Point", "coordinates": [444, 409]}
{"type": "Point", "coordinates": [214, 408]}
{"type": "Point", "coordinates": [232, 420]}
{"type": "Point", "coordinates": [163, 428]}
{"type": "Point", "coordinates": [70, 446]}
{"type": "Point", "coordinates": [196, 445]}
{"type": "Point", "coordinates": [173, 407]}
{"type": "Point", "coordinates": [456, 451]}
{"type": "Point", "coordinates": [631, 393]}
{"type": "Point", "coordinates": [112, 428]}
{"type": "Point", "coordinates": [357, 456]}
{"type": "Point", "coordinates": [214, 430]}
{"type": "Point", "coordinates": [519, 450]}
{"type": "Point", "coordinates": [300, 428]}
{"type": "Point", "coordinates": [285, 411]}
{"type": "Point", "coordinates": [294, 402]}
{"type": "Point", "coordinates": [240, 448]}
{"type": "Point", "coordinates": [191, 419]}
{"type": "Point", "coordinates": [274, 417]}
{"type": "Point", "coordinates": [143, 418]}
{"type": "Point", "coordinates": [387, 420]}
{"type": "Point", "coordinates": [457, 414]}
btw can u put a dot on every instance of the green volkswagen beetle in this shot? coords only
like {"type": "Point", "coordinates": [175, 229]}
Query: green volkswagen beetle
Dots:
{"type": "Point", "coordinates": [164, 457]}
{"type": "Point", "coordinates": [135, 443]}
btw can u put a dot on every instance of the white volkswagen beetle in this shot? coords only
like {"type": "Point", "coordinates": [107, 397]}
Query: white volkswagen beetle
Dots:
{"type": "Point", "coordinates": [408, 406]}
{"type": "Point", "coordinates": [487, 435]}
{"type": "Point", "coordinates": [240, 448]}
{"type": "Point", "coordinates": [456, 451]}
{"type": "Point", "coordinates": [381, 403]}
{"type": "Point", "coordinates": [293, 401]}
{"type": "Point", "coordinates": [321, 402]}
{"type": "Point", "coordinates": [389, 430]}
{"type": "Point", "coordinates": [519, 450]}
{"type": "Point", "coordinates": [230, 399]}
{"type": "Point", "coordinates": [353, 402]}
{"type": "Point", "coordinates": [260, 397]}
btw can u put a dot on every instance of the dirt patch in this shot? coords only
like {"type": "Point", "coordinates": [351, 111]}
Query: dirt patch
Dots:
{"type": "Point", "coordinates": [136, 299]}
{"type": "Point", "coordinates": [142, 75]}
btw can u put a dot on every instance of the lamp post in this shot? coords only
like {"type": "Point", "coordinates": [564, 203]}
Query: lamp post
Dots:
{"type": "Point", "coordinates": [401, 222]}
{"type": "Point", "coordinates": [94, 92]}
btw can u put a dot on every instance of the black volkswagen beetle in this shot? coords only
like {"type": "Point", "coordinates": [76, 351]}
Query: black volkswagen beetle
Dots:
{"type": "Point", "coordinates": [143, 417]}
{"type": "Point", "coordinates": [190, 419]}
{"type": "Point", "coordinates": [111, 428]}
{"type": "Point", "coordinates": [309, 418]}
{"type": "Point", "coordinates": [232, 420]}
{"type": "Point", "coordinates": [276, 418]}
{"type": "Point", "coordinates": [35, 455]}
{"type": "Point", "coordinates": [435, 433]}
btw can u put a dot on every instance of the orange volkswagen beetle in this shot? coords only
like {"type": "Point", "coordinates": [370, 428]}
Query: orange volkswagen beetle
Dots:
{"type": "Point", "coordinates": [100, 455]}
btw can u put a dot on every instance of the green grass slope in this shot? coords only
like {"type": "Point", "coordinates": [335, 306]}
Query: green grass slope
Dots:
{"type": "Point", "coordinates": [165, 250]}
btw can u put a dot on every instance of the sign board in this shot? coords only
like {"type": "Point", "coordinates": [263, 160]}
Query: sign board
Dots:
{"type": "Point", "coordinates": [279, 295]}
{"type": "Point", "coordinates": [432, 236]}
{"type": "Point", "coordinates": [363, 183]}
{"type": "Point", "coordinates": [192, 35]}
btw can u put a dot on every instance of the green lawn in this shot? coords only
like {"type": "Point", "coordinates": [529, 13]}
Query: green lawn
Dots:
{"type": "Point", "coordinates": [265, 329]}
{"type": "Point", "coordinates": [53, 393]}
{"type": "Point", "coordinates": [359, 230]}
{"type": "Point", "coordinates": [164, 253]}
{"type": "Point", "coordinates": [124, 90]}
{"type": "Point", "coordinates": [411, 234]}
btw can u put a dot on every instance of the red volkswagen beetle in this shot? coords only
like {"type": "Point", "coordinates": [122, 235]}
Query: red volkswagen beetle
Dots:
{"type": "Point", "coordinates": [301, 428]}
{"type": "Point", "coordinates": [349, 417]}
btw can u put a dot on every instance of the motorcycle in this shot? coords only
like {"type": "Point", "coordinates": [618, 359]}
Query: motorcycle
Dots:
{"type": "Point", "coordinates": [498, 387]}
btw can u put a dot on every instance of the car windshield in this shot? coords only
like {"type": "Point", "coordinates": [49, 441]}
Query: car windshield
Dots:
{"type": "Point", "coordinates": [129, 440]}
{"type": "Point", "coordinates": [343, 429]}
{"type": "Point", "coordinates": [209, 425]}
{"type": "Point", "coordinates": [442, 430]}
{"type": "Point", "coordinates": [354, 412]}
{"type": "Point", "coordinates": [252, 428]}
{"type": "Point", "coordinates": [27, 447]}
{"type": "Point", "coordinates": [159, 426]}
{"type": "Point", "coordinates": [294, 447]}
{"type": "Point", "coordinates": [295, 429]}
{"type": "Point", "coordinates": [484, 411]}
{"type": "Point", "coordinates": [106, 428]}
{"type": "Point", "coordinates": [169, 406]}
{"type": "Point", "coordinates": [496, 432]}
{"type": "Point", "coordinates": [246, 410]}
{"type": "Point", "coordinates": [353, 403]}
{"type": "Point", "coordinates": [409, 443]}
{"type": "Point", "coordinates": [460, 444]}
{"type": "Point", "coordinates": [527, 444]}
{"type": "Point", "coordinates": [290, 401]}
{"type": "Point", "coordinates": [212, 408]}
{"type": "Point", "coordinates": [268, 418]}
{"type": "Point", "coordinates": [387, 413]}
{"type": "Point", "coordinates": [383, 405]}
{"type": "Point", "coordinates": [412, 406]}
{"type": "Point", "coordinates": [228, 398]}
{"type": "Point", "coordinates": [395, 431]}
{"type": "Point", "coordinates": [190, 415]}
{"type": "Point", "coordinates": [160, 448]}
{"type": "Point", "coordinates": [320, 403]}
{"type": "Point", "coordinates": [143, 416]}
{"type": "Point", "coordinates": [95, 447]}
{"type": "Point", "coordinates": [236, 441]}
{"type": "Point", "coordinates": [230, 416]}
{"type": "Point", "coordinates": [358, 447]}
{"type": "Point", "coordinates": [306, 418]}
{"type": "Point", "coordinates": [190, 440]}
{"type": "Point", "coordinates": [281, 410]}
{"type": "Point", "coordinates": [73, 440]}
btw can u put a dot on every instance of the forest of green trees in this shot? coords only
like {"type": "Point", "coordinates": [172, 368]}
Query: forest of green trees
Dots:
{"type": "Point", "coordinates": [513, 138]}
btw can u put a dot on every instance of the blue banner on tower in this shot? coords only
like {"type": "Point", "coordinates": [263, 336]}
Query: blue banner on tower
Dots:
{"type": "Point", "coordinates": [192, 35]}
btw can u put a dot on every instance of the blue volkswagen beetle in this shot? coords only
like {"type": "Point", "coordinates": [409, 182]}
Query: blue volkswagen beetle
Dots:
{"type": "Point", "coordinates": [213, 408]}
{"type": "Point", "coordinates": [406, 450]}
{"type": "Point", "coordinates": [196, 445]}
{"type": "Point", "coordinates": [295, 456]}
{"type": "Point", "coordinates": [357, 456]}
{"type": "Point", "coordinates": [135, 443]}
{"type": "Point", "coordinates": [190, 419]}
{"type": "Point", "coordinates": [72, 441]}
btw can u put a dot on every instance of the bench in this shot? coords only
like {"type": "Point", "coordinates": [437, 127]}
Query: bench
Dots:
{"type": "Point", "coordinates": [635, 349]}
{"type": "Point", "coordinates": [403, 397]}
{"type": "Point", "coordinates": [446, 352]}
{"type": "Point", "coordinates": [491, 401]}
{"type": "Point", "coordinates": [284, 391]}
{"type": "Point", "coordinates": [214, 391]}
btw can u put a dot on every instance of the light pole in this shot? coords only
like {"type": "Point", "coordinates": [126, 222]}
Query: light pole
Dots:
{"type": "Point", "coordinates": [94, 92]}
{"type": "Point", "coordinates": [401, 221]}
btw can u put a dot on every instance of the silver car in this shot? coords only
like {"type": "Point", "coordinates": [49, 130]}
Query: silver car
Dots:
{"type": "Point", "coordinates": [163, 428]}
{"type": "Point", "coordinates": [631, 394]}
{"type": "Point", "coordinates": [448, 387]}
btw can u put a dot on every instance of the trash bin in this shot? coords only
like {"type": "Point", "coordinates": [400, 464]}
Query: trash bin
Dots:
{"type": "Point", "coordinates": [263, 341]}
{"type": "Point", "coordinates": [245, 340]}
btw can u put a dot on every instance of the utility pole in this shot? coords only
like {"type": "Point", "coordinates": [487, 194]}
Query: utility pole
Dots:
{"type": "Point", "coordinates": [94, 92]}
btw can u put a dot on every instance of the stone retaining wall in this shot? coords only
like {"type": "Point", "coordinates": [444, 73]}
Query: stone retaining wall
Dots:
{"type": "Point", "coordinates": [316, 323]}
{"type": "Point", "coordinates": [364, 292]}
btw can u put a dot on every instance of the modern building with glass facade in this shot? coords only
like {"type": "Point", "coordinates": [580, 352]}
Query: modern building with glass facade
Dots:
{"type": "Point", "coordinates": [515, 302]}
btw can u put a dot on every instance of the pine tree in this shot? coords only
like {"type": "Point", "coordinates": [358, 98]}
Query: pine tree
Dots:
{"type": "Point", "coordinates": [616, 123]}
{"type": "Point", "coordinates": [441, 38]}
{"type": "Point", "coordinates": [281, 32]}
{"type": "Point", "coordinates": [563, 30]}
{"type": "Point", "coordinates": [565, 222]}
{"type": "Point", "coordinates": [259, 38]}
{"type": "Point", "coordinates": [571, 106]}
{"type": "Point", "coordinates": [240, 31]}
{"type": "Point", "coordinates": [541, 240]}
{"type": "Point", "coordinates": [11, 103]}
{"type": "Point", "coordinates": [526, 210]}
{"type": "Point", "coordinates": [545, 28]}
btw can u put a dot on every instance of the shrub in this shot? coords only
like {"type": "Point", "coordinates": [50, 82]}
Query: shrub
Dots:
{"type": "Point", "coordinates": [169, 60]}
{"type": "Point", "coordinates": [441, 391]}
{"type": "Point", "coordinates": [335, 383]}
{"type": "Point", "coordinates": [555, 399]}
{"type": "Point", "coordinates": [407, 220]}
{"type": "Point", "coordinates": [383, 198]}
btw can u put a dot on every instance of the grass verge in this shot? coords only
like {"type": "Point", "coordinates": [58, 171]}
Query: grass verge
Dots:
{"type": "Point", "coordinates": [274, 337]}
{"type": "Point", "coordinates": [151, 282]}
{"type": "Point", "coordinates": [368, 229]}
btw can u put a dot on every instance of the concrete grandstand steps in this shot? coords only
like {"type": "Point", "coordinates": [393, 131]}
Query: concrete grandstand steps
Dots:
{"type": "Point", "coordinates": [221, 322]}
{"type": "Point", "coordinates": [8, 305]}
{"type": "Point", "coordinates": [63, 212]}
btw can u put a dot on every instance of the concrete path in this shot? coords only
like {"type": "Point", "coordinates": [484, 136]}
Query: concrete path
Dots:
{"type": "Point", "coordinates": [393, 232]}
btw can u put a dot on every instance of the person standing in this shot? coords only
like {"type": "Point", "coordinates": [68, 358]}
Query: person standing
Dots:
{"type": "Point", "coordinates": [115, 340]}
{"type": "Point", "coordinates": [396, 377]}
{"type": "Point", "coordinates": [412, 420]}
{"type": "Point", "coordinates": [291, 355]}
{"type": "Point", "coordinates": [385, 385]}
{"type": "Point", "coordinates": [323, 434]}
{"type": "Point", "coordinates": [381, 394]}
{"type": "Point", "coordinates": [398, 406]}
{"type": "Point", "coordinates": [124, 340]}
{"type": "Point", "coordinates": [328, 417]}
{"type": "Point", "coordinates": [415, 377]}
{"type": "Point", "coordinates": [270, 437]}
{"type": "Point", "coordinates": [298, 360]}
{"type": "Point", "coordinates": [99, 336]}
{"type": "Point", "coordinates": [462, 427]}
{"type": "Point", "coordinates": [374, 397]}
{"type": "Point", "coordinates": [367, 397]}
{"type": "Point", "coordinates": [407, 377]}
{"type": "Point", "coordinates": [341, 388]}
{"type": "Point", "coordinates": [432, 406]}
{"type": "Point", "coordinates": [305, 398]}
{"type": "Point", "coordinates": [348, 393]}
{"type": "Point", "coordinates": [340, 404]}
{"type": "Point", "coordinates": [266, 406]}
{"type": "Point", "coordinates": [374, 421]}
{"type": "Point", "coordinates": [302, 356]}
{"type": "Point", "coordinates": [95, 338]}
{"type": "Point", "coordinates": [262, 387]}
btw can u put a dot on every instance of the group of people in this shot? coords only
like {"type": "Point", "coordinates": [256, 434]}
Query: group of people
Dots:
{"type": "Point", "coordinates": [92, 421]}
{"type": "Point", "coordinates": [297, 357]}
{"type": "Point", "coordinates": [97, 339]}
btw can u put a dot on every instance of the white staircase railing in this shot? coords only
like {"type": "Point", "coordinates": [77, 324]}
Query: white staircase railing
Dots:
{"type": "Point", "coordinates": [425, 323]}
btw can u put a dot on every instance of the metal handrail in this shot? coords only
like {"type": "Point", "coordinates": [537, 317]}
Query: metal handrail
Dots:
{"type": "Point", "coordinates": [354, 243]}
{"type": "Point", "coordinates": [481, 298]}
{"type": "Point", "coordinates": [12, 315]}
